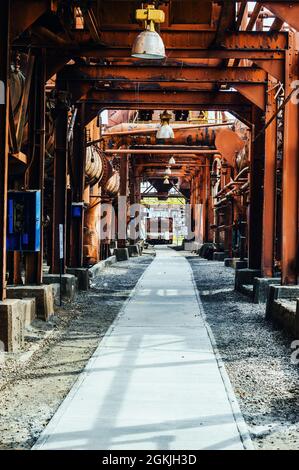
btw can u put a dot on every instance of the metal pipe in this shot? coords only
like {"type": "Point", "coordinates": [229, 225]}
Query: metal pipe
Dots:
{"type": "Point", "coordinates": [227, 186]}
{"type": "Point", "coordinates": [194, 151]}
{"type": "Point", "coordinates": [246, 169]}
{"type": "Point", "coordinates": [148, 130]}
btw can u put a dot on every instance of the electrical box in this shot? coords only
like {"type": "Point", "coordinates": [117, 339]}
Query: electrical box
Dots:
{"type": "Point", "coordinates": [77, 209]}
{"type": "Point", "coordinates": [24, 221]}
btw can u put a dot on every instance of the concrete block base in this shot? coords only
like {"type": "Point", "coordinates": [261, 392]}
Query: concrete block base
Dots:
{"type": "Point", "coordinates": [133, 250]}
{"type": "Point", "coordinates": [235, 263]}
{"type": "Point", "coordinates": [82, 275]}
{"type": "Point", "coordinates": [261, 288]}
{"type": "Point", "coordinates": [280, 293]}
{"type": "Point", "coordinates": [228, 262]}
{"type": "Point", "coordinates": [191, 246]}
{"type": "Point", "coordinates": [240, 264]}
{"type": "Point", "coordinates": [29, 310]}
{"type": "Point", "coordinates": [69, 284]}
{"type": "Point", "coordinates": [43, 296]}
{"type": "Point", "coordinates": [219, 256]}
{"type": "Point", "coordinates": [206, 251]}
{"type": "Point", "coordinates": [285, 313]}
{"type": "Point", "coordinates": [121, 254]}
{"type": "Point", "coordinates": [12, 325]}
{"type": "Point", "coordinates": [245, 276]}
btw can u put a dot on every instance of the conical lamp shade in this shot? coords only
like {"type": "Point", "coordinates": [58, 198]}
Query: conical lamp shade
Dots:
{"type": "Point", "coordinates": [148, 45]}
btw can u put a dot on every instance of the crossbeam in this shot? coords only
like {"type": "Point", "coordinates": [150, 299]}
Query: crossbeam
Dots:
{"type": "Point", "coordinates": [163, 73]}
{"type": "Point", "coordinates": [114, 99]}
{"type": "Point", "coordinates": [190, 39]}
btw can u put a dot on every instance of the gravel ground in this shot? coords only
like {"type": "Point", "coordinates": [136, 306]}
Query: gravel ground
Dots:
{"type": "Point", "coordinates": [31, 392]}
{"type": "Point", "coordinates": [256, 356]}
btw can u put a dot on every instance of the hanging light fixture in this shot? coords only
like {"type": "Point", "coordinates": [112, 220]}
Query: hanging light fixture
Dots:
{"type": "Point", "coordinates": [171, 161]}
{"type": "Point", "coordinates": [149, 44]}
{"type": "Point", "coordinates": [168, 171]}
{"type": "Point", "coordinates": [165, 130]}
{"type": "Point", "coordinates": [166, 180]}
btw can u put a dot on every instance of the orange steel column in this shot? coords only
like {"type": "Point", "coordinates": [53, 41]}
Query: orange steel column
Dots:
{"type": "Point", "coordinates": [290, 193]}
{"type": "Point", "coordinates": [255, 229]}
{"type": "Point", "coordinates": [269, 202]}
{"type": "Point", "coordinates": [122, 207]}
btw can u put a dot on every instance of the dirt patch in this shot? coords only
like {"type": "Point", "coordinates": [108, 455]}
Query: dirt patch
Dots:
{"type": "Point", "coordinates": [256, 355]}
{"type": "Point", "coordinates": [31, 392]}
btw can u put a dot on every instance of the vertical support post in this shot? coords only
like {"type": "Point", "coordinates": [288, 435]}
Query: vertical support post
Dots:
{"type": "Point", "coordinates": [122, 204]}
{"type": "Point", "coordinates": [34, 261]}
{"type": "Point", "coordinates": [79, 159]}
{"type": "Point", "coordinates": [60, 181]}
{"type": "Point", "coordinates": [255, 234]}
{"type": "Point", "coordinates": [290, 176]}
{"type": "Point", "coordinates": [269, 202]}
{"type": "Point", "coordinates": [228, 237]}
{"type": "Point", "coordinates": [4, 119]}
{"type": "Point", "coordinates": [204, 198]}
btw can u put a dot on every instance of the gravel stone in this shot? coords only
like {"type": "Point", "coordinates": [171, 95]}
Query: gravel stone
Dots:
{"type": "Point", "coordinates": [30, 393]}
{"type": "Point", "coordinates": [256, 355]}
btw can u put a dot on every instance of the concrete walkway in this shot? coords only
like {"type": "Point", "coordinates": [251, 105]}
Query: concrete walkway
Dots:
{"type": "Point", "coordinates": [154, 381]}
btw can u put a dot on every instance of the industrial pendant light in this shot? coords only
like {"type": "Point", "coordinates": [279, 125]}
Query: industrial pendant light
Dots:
{"type": "Point", "coordinates": [168, 171]}
{"type": "Point", "coordinates": [171, 161]}
{"type": "Point", "coordinates": [166, 180]}
{"type": "Point", "coordinates": [165, 131]}
{"type": "Point", "coordinates": [149, 44]}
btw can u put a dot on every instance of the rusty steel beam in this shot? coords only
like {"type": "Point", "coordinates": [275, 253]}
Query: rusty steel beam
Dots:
{"type": "Point", "coordinates": [276, 25]}
{"type": "Point", "coordinates": [274, 67]}
{"type": "Point", "coordinates": [151, 99]}
{"type": "Point", "coordinates": [226, 21]}
{"type": "Point", "coordinates": [195, 40]}
{"type": "Point", "coordinates": [286, 11]}
{"type": "Point", "coordinates": [254, 16]}
{"type": "Point", "coordinates": [256, 94]}
{"type": "Point", "coordinates": [269, 202]}
{"type": "Point", "coordinates": [162, 73]}
{"type": "Point", "coordinates": [4, 120]}
{"type": "Point", "coordinates": [114, 55]}
{"type": "Point", "coordinates": [26, 13]}
{"type": "Point", "coordinates": [242, 16]}
{"type": "Point", "coordinates": [290, 183]}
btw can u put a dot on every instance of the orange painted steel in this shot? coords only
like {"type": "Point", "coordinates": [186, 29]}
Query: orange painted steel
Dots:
{"type": "Point", "coordinates": [269, 202]}
{"type": "Point", "coordinates": [195, 40]}
{"type": "Point", "coordinates": [163, 73]}
{"type": "Point", "coordinates": [290, 184]}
